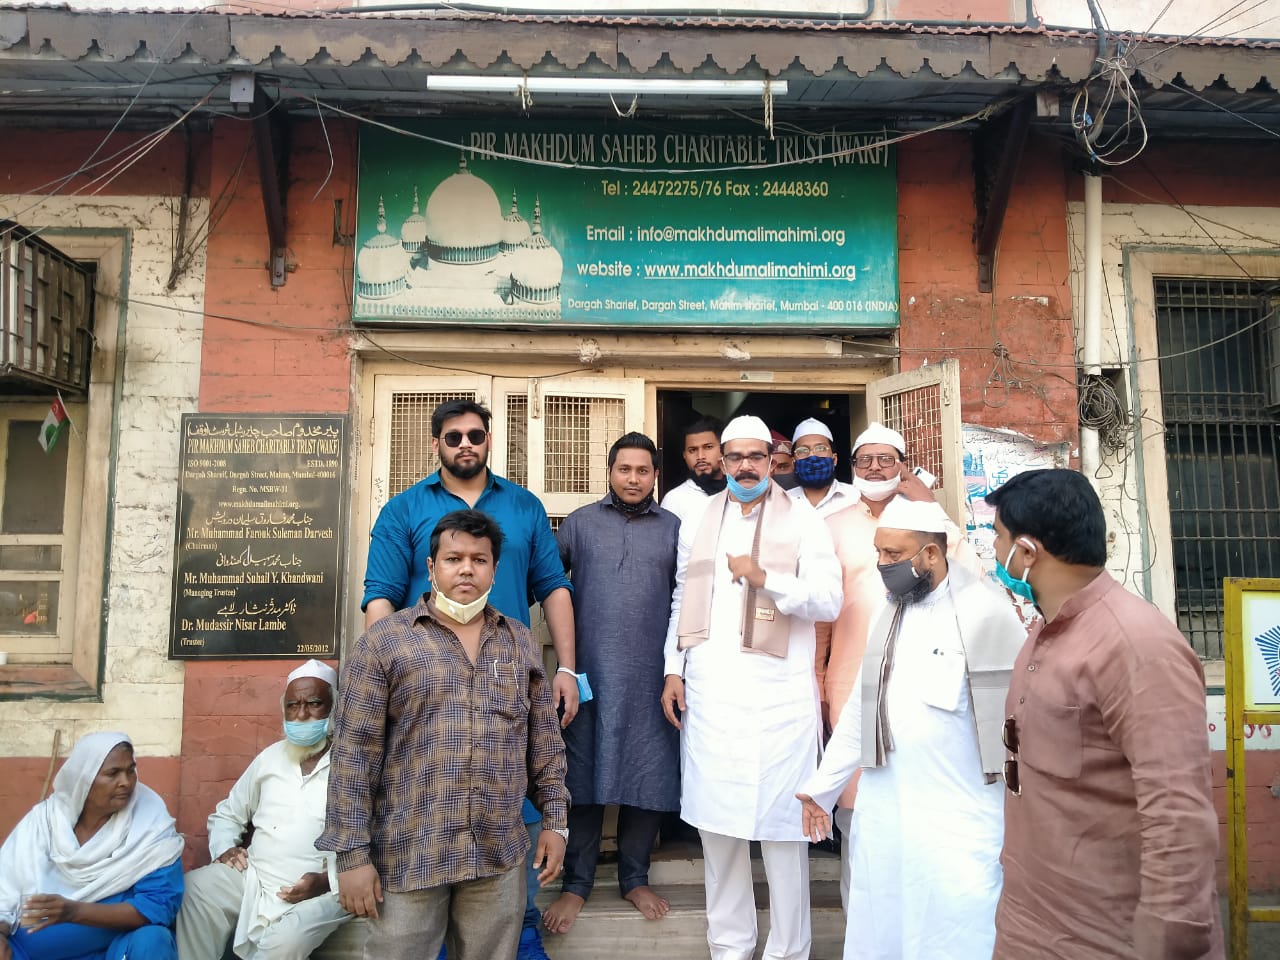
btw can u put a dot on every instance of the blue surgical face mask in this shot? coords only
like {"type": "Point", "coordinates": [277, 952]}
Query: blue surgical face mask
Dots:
{"type": "Point", "coordinates": [306, 733]}
{"type": "Point", "coordinates": [746, 494]}
{"type": "Point", "coordinates": [1019, 588]}
{"type": "Point", "coordinates": [814, 472]}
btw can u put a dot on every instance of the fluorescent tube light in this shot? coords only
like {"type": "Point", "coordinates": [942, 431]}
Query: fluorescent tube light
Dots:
{"type": "Point", "coordinates": [605, 85]}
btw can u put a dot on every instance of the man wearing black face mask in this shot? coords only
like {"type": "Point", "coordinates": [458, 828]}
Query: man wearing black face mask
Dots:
{"type": "Point", "coordinates": [701, 450]}
{"type": "Point", "coordinates": [923, 722]}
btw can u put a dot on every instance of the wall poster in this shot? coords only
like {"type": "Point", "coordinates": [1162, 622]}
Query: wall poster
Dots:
{"type": "Point", "coordinates": [671, 225]}
{"type": "Point", "coordinates": [259, 555]}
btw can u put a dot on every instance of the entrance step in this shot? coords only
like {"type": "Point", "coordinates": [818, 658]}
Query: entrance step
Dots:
{"type": "Point", "coordinates": [610, 927]}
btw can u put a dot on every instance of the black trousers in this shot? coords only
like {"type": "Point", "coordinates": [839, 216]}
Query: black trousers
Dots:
{"type": "Point", "coordinates": [637, 830]}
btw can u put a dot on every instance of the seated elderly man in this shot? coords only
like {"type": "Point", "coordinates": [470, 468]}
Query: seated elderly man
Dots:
{"type": "Point", "coordinates": [278, 894]}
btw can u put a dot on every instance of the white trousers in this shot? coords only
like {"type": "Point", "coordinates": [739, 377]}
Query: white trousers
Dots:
{"type": "Point", "coordinates": [844, 820]}
{"type": "Point", "coordinates": [731, 900]}
{"type": "Point", "coordinates": [211, 907]}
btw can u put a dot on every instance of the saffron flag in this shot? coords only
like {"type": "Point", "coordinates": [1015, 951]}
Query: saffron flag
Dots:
{"type": "Point", "coordinates": [55, 423]}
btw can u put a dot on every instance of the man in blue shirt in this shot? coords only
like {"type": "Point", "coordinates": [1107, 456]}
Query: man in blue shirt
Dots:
{"type": "Point", "coordinates": [396, 573]}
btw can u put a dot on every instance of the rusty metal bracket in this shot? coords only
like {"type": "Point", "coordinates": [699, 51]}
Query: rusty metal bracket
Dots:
{"type": "Point", "coordinates": [271, 143]}
{"type": "Point", "coordinates": [997, 152]}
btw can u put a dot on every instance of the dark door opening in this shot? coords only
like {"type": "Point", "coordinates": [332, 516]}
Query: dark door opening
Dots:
{"type": "Point", "coordinates": [841, 412]}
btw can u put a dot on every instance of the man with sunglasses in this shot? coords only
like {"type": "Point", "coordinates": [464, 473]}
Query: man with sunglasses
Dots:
{"type": "Point", "coordinates": [1110, 829]}
{"type": "Point", "coordinates": [396, 575]}
{"type": "Point", "coordinates": [752, 576]}
{"type": "Point", "coordinates": [923, 725]}
{"type": "Point", "coordinates": [880, 477]}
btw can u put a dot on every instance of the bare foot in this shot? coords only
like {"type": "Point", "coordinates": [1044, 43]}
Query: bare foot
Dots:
{"type": "Point", "coordinates": [652, 906]}
{"type": "Point", "coordinates": [559, 917]}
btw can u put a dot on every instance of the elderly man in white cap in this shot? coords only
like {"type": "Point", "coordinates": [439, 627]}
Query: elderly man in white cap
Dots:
{"type": "Point", "coordinates": [751, 579]}
{"type": "Point", "coordinates": [880, 477]}
{"type": "Point", "coordinates": [279, 893]}
{"type": "Point", "coordinates": [924, 726]}
{"type": "Point", "coordinates": [815, 467]}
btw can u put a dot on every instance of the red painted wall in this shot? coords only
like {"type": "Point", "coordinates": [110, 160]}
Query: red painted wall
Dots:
{"type": "Point", "coordinates": [1029, 313]}
{"type": "Point", "coordinates": [266, 350]}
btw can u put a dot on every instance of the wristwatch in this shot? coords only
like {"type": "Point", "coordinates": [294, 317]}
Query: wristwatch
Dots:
{"type": "Point", "coordinates": [563, 832]}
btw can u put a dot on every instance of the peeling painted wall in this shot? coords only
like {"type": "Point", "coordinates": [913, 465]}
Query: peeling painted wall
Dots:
{"type": "Point", "coordinates": [142, 690]}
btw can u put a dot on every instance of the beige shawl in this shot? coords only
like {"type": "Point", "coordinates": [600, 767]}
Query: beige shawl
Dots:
{"type": "Point", "coordinates": [764, 629]}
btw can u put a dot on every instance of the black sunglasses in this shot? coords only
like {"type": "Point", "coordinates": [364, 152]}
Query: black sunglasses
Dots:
{"type": "Point", "coordinates": [1009, 734]}
{"type": "Point", "coordinates": [454, 438]}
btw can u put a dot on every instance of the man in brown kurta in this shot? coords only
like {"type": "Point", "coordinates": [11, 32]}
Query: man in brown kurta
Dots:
{"type": "Point", "coordinates": [1110, 830]}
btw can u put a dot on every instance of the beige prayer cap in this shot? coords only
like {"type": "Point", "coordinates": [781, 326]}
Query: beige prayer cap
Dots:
{"type": "Point", "coordinates": [314, 668]}
{"type": "Point", "coordinates": [747, 428]}
{"type": "Point", "coordinates": [915, 515]}
{"type": "Point", "coordinates": [879, 433]}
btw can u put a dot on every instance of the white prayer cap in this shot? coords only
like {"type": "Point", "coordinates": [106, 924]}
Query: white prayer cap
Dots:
{"type": "Point", "coordinates": [747, 428]}
{"type": "Point", "coordinates": [915, 515]}
{"type": "Point", "coordinates": [811, 426]}
{"type": "Point", "coordinates": [879, 433]}
{"type": "Point", "coordinates": [314, 668]}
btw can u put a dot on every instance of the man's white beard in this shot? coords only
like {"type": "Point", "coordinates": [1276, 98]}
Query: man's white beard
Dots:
{"type": "Point", "coordinates": [300, 754]}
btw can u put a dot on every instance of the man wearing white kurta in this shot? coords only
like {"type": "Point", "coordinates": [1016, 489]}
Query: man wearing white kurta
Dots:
{"type": "Point", "coordinates": [751, 579]}
{"type": "Point", "coordinates": [701, 451]}
{"type": "Point", "coordinates": [923, 721]}
{"type": "Point", "coordinates": [279, 894]}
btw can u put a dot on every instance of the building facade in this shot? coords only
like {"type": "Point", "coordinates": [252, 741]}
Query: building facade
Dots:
{"type": "Point", "coordinates": [284, 218]}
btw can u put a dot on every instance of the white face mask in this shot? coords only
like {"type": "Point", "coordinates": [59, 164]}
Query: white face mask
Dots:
{"type": "Point", "coordinates": [877, 489]}
{"type": "Point", "coordinates": [461, 612]}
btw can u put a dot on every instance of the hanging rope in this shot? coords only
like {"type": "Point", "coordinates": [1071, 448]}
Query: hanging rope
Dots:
{"type": "Point", "coordinates": [768, 105]}
{"type": "Point", "coordinates": [631, 110]}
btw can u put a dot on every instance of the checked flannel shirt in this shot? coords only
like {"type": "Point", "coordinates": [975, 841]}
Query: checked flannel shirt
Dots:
{"type": "Point", "coordinates": [432, 754]}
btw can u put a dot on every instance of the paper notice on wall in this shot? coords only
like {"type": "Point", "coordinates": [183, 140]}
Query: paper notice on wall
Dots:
{"type": "Point", "coordinates": [990, 458]}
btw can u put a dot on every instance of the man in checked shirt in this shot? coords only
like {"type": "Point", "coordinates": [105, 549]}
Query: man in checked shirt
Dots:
{"type": "Point", "coordinates": [445, 716]}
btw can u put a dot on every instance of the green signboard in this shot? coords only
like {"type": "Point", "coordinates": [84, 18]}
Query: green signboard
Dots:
{"type": "Point", "coordinates": [671, 226]}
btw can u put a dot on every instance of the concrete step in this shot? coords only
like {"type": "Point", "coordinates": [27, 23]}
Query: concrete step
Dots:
{"type": "Point", "coordinates": [611, 927]}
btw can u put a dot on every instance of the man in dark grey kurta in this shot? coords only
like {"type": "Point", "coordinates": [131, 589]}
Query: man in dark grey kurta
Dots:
{"type": "Point", "coordinates": [621, 556]}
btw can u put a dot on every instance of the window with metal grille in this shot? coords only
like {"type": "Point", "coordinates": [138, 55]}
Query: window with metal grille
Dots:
{"type": "Point", "coordinates": [46, 316]}
{"type": "Point", "coordinates": [1217, 341]}
{"type": "Point", "coordinates": [579, 431]}
{"type": "Point", "coordinates": [518, 438]}
{"type": "Point", "coordinates": [917, 415]}
{"type": "Point", "coordinates": [411, 457]}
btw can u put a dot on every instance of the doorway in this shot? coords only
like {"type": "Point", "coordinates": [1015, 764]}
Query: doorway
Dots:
{"type": "Point", "coordinates": [843, 413]}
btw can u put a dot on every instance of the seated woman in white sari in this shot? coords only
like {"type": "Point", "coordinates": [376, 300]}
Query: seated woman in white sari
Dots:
{"type": "Point", "coordinates": [95, 871]}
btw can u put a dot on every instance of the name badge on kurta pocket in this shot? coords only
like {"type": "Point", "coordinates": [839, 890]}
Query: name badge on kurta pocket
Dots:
{"type": "Point", "coordinates": [765, 613]}
{"type": "Point", "coordinates": [942, 682]}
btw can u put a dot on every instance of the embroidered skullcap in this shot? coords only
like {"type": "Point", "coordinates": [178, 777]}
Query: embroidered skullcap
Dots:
{"type": "Point", "coordinates": [747, 428]}
{"type": "Point", "coordinates": [780, 443]}
{"type": "Point", "coordinates": [879, 433]}
{"type": "Point", "coordinates": [915, 515]}
{"type": "Point", "coordinates": [314, 668]}
{"type": "Point", "coordinates": [811, 426]}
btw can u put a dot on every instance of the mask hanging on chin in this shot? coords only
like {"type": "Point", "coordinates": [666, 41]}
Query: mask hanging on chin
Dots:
{"type": "Point", "coordinates": [877, 490]}
{"type": "Point", "coordinates": [461, 612]}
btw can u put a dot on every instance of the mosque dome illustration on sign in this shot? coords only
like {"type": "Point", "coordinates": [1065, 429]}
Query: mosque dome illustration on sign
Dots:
{"type": "Point", "coordinates": [456, 256]}
{"type": "Point", "coordinates": [464, 219]}
{"type": "Point", "coordinates": [381, 263]}
{"type": "Point", "coordinates": [537, 266]}
{"type": "Point", "coordinates": [515, 229]}
{"type": "Point", "coordinates": [414, 230]}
